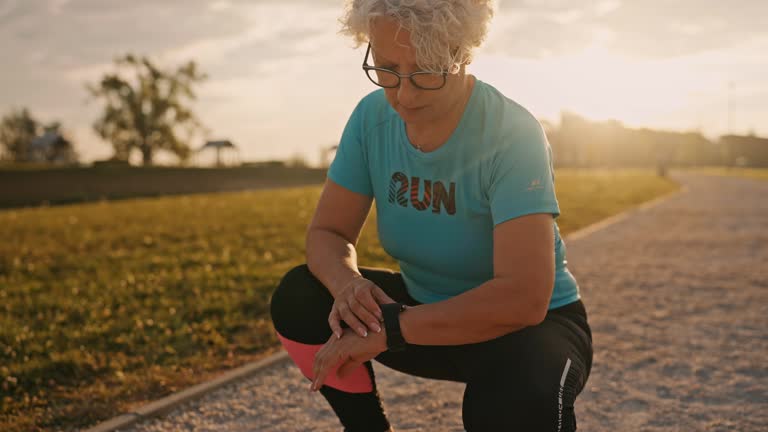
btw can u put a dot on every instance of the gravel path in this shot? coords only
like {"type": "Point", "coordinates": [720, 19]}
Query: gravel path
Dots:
{"type": "Point", "coordinates": [678, 302]}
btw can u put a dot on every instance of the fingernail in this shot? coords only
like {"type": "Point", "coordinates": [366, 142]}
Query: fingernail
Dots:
{"type": "Point", "coordinates": [338, 335]}
{"type": "Point", "coordinates": [364, 333]}
{"type": "Point", "coordinates": [376, 327]}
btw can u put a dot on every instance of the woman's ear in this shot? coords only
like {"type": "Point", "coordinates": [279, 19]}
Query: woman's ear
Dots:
{"type": "Point", "coordinates": [459, 68]}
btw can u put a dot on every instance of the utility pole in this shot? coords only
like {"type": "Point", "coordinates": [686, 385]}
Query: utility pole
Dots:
{"type": "Point", "coordinates": [730, 119]}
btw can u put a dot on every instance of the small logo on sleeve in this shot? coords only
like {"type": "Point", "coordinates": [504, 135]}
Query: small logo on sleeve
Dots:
{"type": "Point", "coordinates": [535, 185]}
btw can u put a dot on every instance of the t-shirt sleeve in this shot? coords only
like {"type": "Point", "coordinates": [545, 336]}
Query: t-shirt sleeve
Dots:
{"type": "Point", "coordinates": [522, 179]}
{"type": "Point", "coordinates": [350, 165]}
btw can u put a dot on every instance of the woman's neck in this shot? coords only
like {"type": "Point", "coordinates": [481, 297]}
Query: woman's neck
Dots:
{"type": "Point", "coordinates": [429, 137]}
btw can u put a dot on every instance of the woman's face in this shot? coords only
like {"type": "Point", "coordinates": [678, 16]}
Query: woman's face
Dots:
{"type": "Point", "coordinates": [414, 105]}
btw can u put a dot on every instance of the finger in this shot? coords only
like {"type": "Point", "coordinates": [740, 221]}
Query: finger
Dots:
{"type": "Point", "coordinates": [366, 298]}
{"type": "Point", "coordinates": [381, 297]}
{"type": "Point", "coordinates": [321, 354]}
{"type": "Point", "coordinates": [316, 362]}
{"type": "Point", "coordinates": [333, 321]}
{"type": "Point", "coordinates": [365, 315]}
{"type": "Point", "coordinates": [317, 366]}
{"type": "Point", "coordinates": [352, 321]}
{"type": "Point", "coordinates": [325, 366]}
{"type": "Point", "coordinates": [319, 379]}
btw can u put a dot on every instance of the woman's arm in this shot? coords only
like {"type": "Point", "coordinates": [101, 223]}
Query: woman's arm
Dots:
{"type": "Point", "coordinates": [518, 295]}
{"type": "Point", "coordinates": [333, 234]}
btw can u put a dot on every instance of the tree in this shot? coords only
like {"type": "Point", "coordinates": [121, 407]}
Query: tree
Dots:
{"type": "Point", "coordinates": [17, 130]}
{"type": "Point", "coordinates": [147, 113]}
{"type": "Point", "coordinates": [298, 160]}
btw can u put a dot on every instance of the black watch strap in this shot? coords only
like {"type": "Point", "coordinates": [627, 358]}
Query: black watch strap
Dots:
{"type": "Point", "coordinates": [391, 313]}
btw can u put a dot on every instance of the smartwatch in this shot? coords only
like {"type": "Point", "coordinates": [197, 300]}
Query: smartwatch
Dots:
{"type": "Point", "coordinates": [391, 313]}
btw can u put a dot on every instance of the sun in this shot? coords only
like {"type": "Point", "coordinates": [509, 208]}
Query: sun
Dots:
{"type": "Point", "coordinates": [596, 83]}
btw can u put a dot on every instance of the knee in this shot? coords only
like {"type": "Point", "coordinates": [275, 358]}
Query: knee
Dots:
{"type": "Point", "coordinates": [523, 404]}
{"type": "Point", "coordinates": [299, 302]}
{"type": "Point", "coordinates": [288, 293]}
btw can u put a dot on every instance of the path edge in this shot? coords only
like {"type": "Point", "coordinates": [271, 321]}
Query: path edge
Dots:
{"type": "Point", "coordinates": [612, 220]}
{"type": "Point", "coordinates": [168, 403]}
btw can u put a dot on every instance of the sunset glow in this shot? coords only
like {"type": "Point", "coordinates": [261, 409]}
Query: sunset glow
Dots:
{"type": "Point", "coordinates": [273, 65]}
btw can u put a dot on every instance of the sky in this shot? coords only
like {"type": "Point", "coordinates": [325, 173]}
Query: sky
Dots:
{"type": "Point", "coordinates": [282, 81]}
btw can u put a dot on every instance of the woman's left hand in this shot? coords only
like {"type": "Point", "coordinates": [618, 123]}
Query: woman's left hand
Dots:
{"type": "Point", "coordinates": [349, 352]}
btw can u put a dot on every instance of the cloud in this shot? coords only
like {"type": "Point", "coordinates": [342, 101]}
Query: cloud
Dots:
{"type": "Point", "coordinates": [685, 26]}
{"type": "Point", "coordinates": [55, 7]}
{"type": "Point", "coordinates": [272, 34]}
{"type": "Point", "coordinates": [88, 31]}
{"type": "Point", "coordinates": [606, 6]}
{"type": "Point", "coordinates": [6, 8]}
{"type": "Point", "coordinates": [536, 35]}
{"type": "Point", "coordinates": [265, 58]}
{"type": "Point", "coordinates": [219, 5]}
{"type": "Point", "coordinates": [648, 28]}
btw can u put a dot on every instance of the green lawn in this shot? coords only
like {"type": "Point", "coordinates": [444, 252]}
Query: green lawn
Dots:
{"type": "Point", "coordinates": [109, 305]}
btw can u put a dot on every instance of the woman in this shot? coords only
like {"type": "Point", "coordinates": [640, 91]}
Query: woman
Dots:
{"type": "Point", "coordinates": [464, 186]}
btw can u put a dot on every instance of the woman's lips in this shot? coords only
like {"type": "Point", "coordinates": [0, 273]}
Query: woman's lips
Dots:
{"type": "Point", "coordinates": [406, 109]}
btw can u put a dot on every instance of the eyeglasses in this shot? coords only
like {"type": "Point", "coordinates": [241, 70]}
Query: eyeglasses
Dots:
{"type": "Point", "coordinates": [390, 79]}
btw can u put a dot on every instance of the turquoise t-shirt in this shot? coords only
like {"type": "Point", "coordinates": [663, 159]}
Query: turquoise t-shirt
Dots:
{"type": "Point", "coordinates": [436, 210]}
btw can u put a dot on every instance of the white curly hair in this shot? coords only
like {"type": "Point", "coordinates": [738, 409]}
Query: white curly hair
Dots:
{"type": "Point", "coordinates": [443, 32]}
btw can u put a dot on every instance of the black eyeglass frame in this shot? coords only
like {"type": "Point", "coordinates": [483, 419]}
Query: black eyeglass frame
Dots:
{"type": "Point", "coordinates": [367, 68]}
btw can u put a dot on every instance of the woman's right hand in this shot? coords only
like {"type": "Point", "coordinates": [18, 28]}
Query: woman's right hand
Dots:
{"type": "Point", "coordinates": [358, 306]}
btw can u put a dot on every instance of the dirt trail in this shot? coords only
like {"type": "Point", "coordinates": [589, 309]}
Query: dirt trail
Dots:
{"type": "Point", "coordinates": [678, 301]}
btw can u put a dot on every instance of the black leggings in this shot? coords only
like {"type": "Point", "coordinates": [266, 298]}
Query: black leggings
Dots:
{"type": "Point", "coordinates": [523, 381]}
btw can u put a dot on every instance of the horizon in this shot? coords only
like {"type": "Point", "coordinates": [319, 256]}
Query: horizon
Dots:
{"type": "Point", "coordinates": [699, 71]}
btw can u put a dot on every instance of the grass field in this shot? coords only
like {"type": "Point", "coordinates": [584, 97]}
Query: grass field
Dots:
{"type": "Point", "coordinates": [758, 173]}
{"type": "Point", "coordinates": [106, 306]}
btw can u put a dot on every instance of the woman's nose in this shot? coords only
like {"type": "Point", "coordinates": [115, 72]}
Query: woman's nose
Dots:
{"type": "Point", "coordinates": [407, 92]}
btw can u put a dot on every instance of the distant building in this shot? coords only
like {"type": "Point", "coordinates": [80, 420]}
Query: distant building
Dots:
{"type": "Point", "coordinates": [219, 146]}
{"type": "Point", "coordinates": [745, 150]}
{"type": "Point", "coordinates": [51, 147]}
